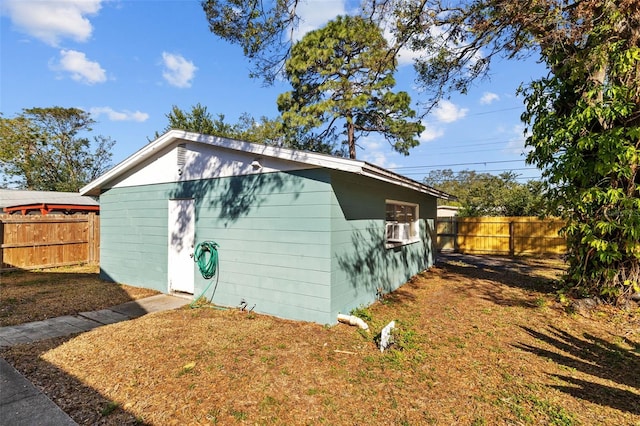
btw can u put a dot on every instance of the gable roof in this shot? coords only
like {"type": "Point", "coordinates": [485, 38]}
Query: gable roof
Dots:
{"type": "Point", "coordinates": [303, 157]}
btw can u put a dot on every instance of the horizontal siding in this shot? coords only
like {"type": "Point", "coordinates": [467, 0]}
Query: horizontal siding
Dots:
{"type": "Point", "coordinates": [134, 236]}
{"type": "Point", "coordinates": [207, 230]}
{"type": "Point", "coordinates": [272, 231]}
{"type": "Point", "coordinates": [287, 287]}
{"type": "Point", "coordinates": [252, 288]}
{"type": "Point", "coordinates": [275, 254]}
{"type": "Point", "coordinates": [257, 248]}
{"type": "Point", "coordinates": [361, 263]}
{"type": "Point", "coordinates": [303, 271]}
{"type": "Point", "coordinates": [278, 224]}
{"type": "Point", "coordinates": [285, 264]}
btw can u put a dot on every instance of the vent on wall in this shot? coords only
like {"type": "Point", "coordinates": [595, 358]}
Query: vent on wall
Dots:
{"type": "Point", "coordinates": [182, 154]}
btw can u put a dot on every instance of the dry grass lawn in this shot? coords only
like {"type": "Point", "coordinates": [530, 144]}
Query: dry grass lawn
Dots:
{"type": "Point", "coordinates": [474, 346]}
{"type": "Point", "coordinates": [27, 296]}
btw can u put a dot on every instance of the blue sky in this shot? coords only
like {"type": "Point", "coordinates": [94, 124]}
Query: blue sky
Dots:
{"type": "Point", "coordinates": [129, 62]}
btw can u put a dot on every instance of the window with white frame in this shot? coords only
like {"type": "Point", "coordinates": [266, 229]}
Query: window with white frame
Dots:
{"type": "Point", "coordinates": [402, 225]}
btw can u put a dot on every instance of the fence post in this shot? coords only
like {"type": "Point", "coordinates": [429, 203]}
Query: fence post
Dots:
{"type": "Point", "coordinates": [456, 246]}
{"type": "Point", "coordinates": [1, 243]}
{"type": "Point", "coordinates": [91, 236]}
{"type": "Point", "coordinates": [512, 242]}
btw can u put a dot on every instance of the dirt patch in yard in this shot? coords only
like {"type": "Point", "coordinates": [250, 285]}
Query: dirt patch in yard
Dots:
{"type": "Point", "coordinates": [27, 296]}
{"type": "Point", "coordinates": [475, 345]}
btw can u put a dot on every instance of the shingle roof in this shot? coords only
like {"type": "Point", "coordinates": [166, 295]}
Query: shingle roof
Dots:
{"type": "Point", "coordinates": [14, 198]}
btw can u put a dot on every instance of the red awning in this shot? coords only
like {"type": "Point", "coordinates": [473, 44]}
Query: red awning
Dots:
{"type": "Point", "coordinates": [48, 208]}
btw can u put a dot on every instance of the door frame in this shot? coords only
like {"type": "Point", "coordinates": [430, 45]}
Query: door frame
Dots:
{"type": "Point", "coordinates": [180, 265]}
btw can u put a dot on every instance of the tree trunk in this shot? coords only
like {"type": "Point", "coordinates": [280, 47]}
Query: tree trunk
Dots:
{"type": "Point", "coordinates": [351, 137]}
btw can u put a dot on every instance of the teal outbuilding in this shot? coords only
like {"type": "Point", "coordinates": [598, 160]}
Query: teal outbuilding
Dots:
{"type": "Point", "coordinates": [300, 235]}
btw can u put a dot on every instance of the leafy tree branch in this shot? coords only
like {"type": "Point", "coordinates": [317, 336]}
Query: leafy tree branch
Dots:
{"type": "Point", "coordinates": [46, 149]}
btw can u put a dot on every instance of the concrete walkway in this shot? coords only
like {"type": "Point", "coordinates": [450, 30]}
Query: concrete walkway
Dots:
{"type": "Point", "coordinates": [85, 321]}
{"type": "Point", "coordinates": [21, 403]}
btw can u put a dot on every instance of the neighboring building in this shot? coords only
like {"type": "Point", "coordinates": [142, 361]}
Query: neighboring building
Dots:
{"type": "Point", "coordinates": [448, 211]}
{"type": "Point", "coordinates": [13, 201]}
{"type": "Point", "coordinates": [301, 235]}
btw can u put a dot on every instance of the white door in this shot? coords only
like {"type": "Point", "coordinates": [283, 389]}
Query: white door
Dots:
{"type": "Point", "coordinates": [181, 242]}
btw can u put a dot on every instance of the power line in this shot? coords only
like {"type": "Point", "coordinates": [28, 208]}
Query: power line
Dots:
{"type": "Point", "coordinates": [518, 178]}
{"type": "Point", "coordinates": [483, 171]}
{"type": "Point", "coordinates": [477, 150]}
{"type": "Point", "coordinates": [497, 110]}
{"type": "Point", "coordinates": [464, 145]}
{"type": "Point", "coordinates": [465, 141]}
{"type": "Point", "coordinates": [477, 113]}
{"type": "Point", "coordinates": [435, 166]}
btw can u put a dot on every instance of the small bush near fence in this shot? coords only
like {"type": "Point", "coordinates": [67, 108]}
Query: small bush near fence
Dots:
{"type": "Point", "coordinates": [33, 242]}
{"type": "Point", "coordinates": [501, 235]}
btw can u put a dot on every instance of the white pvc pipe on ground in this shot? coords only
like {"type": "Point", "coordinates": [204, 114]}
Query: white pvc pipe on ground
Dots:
{"type": "Point", "coordinates": [353, 320]}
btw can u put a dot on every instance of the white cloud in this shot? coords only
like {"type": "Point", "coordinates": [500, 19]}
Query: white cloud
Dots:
{"type": "Point", "coordinates": [178, 71]}
{"type": "Point", "coordinates": [124, 115]}
{"type": "Point", "coordinates": [314, 14]}
{"type": "Point", "coordinates": [430, 133]}
{"type": "Point", "coordinates": [374, 152]}
{"type": "Point", "coordinates": [517, 140]}
{"type": "Point", "coordinates": [378, 158]}
{"type": "Point", "coordinates": [81, 68]}
{"type": "Point", "coordinates": [52, 20]}
{"type": "Point", "coordinates": [488, 98]}
{"type": "Point", "coordinates": [448, 112]}
{"type": "Point", "coordinates": [370, 144]}
{"type": "Point", "coordinates": [407, 56]}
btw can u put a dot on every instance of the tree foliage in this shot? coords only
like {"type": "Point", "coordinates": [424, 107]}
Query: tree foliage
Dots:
{"type": "Point", "coordinates": [584, 116]}
{"type": "Point", "coordinates": [484, 194]}
{"type": "Point", "coordinates": [200, 120]}
{"type": "Point", "coordinates": [341, 75]}
{"type": "Point", "coordinates": [46, 149]}
{"type": "Point", "coordinates": [263, 130]}
{"type": "Point", "coordinates": [264, 31]}
{"type": "Point", "coordinates": [453, 41]}
{"type": "Point", "coordinates": [585, 121]}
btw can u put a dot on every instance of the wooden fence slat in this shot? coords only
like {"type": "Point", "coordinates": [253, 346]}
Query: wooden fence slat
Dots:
{"type": "Point", "coordinates": [43, 244]}
{"type": "Point", "coordinates": [30, 242]}
{"type": "Point", "coordinates": [91, 237]}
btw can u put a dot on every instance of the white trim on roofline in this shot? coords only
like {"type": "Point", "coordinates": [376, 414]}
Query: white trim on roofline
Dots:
{"type": "Point", "coordinates": [304, 157]}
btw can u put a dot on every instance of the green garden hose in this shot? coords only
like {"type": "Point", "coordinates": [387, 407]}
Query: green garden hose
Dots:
{"type": "Point", "coordinates": [208, 264]}
{"type": "Point", "coordinates": [206, 256]}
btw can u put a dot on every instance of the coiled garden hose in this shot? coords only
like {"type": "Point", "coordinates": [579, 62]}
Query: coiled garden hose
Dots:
{"type": "Point", "coordinates": [208, 264]}
{"type": "Point", "coordinates": [206, 256]}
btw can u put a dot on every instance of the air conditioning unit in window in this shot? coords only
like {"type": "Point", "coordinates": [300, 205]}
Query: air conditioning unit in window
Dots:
{"type": "Point", "coordinates": [397, 232]}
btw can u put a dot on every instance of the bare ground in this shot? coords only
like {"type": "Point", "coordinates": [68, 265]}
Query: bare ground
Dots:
{"type": "Point", "coordinates": [477, 343]}
{"type": "Point", "coordinates": [27, 296]}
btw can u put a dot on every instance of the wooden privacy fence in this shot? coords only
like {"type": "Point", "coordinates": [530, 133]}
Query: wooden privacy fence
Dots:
{"type": "Point", "coordinates": [32, 242]}
{"type": "Point", "coordinates": [501, 235]}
